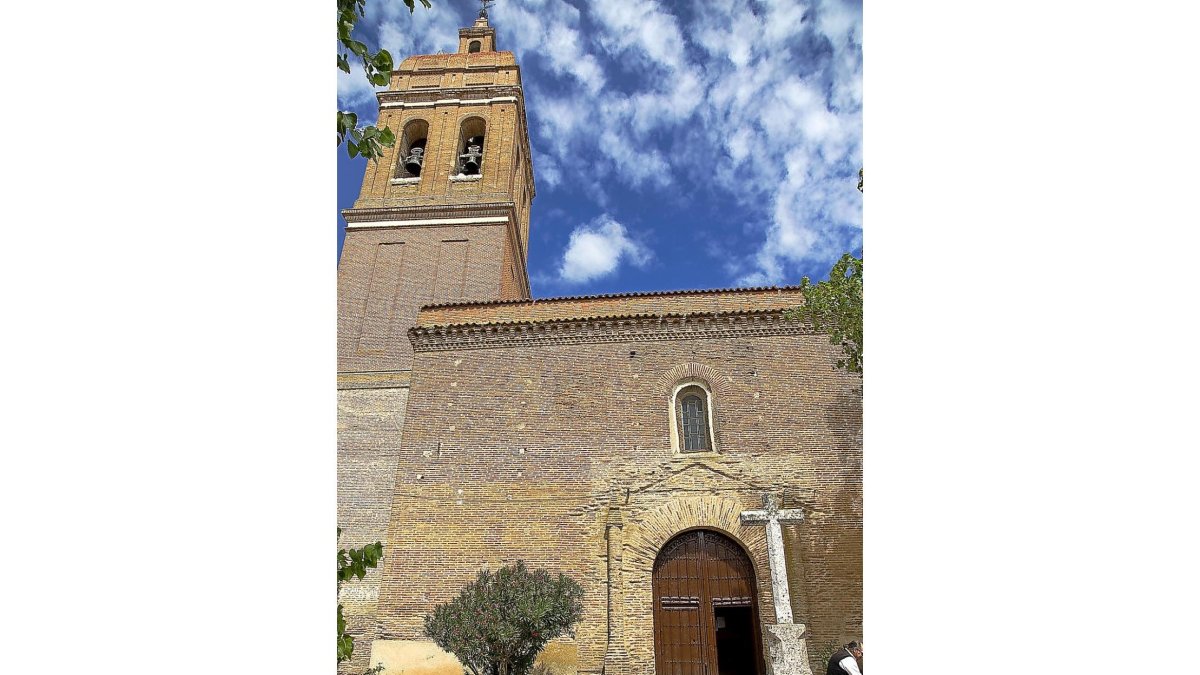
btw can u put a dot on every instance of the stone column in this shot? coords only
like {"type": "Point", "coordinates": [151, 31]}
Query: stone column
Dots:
{"type": "Point", "coordinates": [785, 640]}
{"type": "Point", "coordinates": [615, 655]}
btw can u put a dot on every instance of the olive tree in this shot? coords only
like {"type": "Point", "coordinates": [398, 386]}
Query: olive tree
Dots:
{"type": "Point", "coordinates": [501, 621]}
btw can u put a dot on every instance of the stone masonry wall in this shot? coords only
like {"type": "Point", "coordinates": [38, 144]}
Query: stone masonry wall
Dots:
{"type": "Point", "coordinates": [544, 452]}
{"type": "Point", "coordinates": [370, 423]}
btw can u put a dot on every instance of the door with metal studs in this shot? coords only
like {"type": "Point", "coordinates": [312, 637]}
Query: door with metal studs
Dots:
{"type": "Point", "coordinates": [705, 608]}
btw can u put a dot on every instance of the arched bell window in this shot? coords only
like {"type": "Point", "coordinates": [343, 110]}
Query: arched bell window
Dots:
{"type": "Point", "coordinates": [692, 418]}
{"type": "Point", "coordinates": [411, 158]}
{"type": "Point", "coordinates": [474, 46]}
{"type": "Point", "coordinates": [470, 147]}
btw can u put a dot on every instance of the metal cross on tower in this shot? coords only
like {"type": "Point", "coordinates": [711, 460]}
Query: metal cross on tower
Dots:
{"type": "Point", "coordinates": [483, 7]}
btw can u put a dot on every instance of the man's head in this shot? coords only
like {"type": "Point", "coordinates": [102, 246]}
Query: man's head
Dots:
{"type": "Point", "coordinates": [855, 649]}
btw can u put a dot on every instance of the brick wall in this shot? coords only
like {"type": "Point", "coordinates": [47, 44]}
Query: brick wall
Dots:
{"type": "Point", "coordinates": [530, 452]}
{"type": "Point", "coordinates": [504, 132]}
{"type": "Point", "coordinates": [386, 274]}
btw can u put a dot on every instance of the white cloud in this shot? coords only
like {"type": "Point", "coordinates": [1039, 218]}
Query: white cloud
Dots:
{"type": "Point", "coordinates": [795, 139]}
{"type": "Point", "coordinates": [649, 111]}
{"type": "Point", "coordinates": [547, 169]}
{"type": "Point", "coordinates": [421, 32]}
{"type": "Point", "coordinates": [550, 28]}
{"type": "Point", "coordinates": [629, 94]}
{"type": "Point", "coordinates": [781, 19]}
{"type": "Point", "coordinates": [731, 33]}
{"type": "Point", "coordinates": [401, 34]}
{"type": "Point", "coordinates": [758, 89]}
{"type": "Point", "coordinates": [560, 120]}
{"type": "Point", "coordinates": [642, 28]}
{"type": "Point", "coordinates": [353, 90]}
{"type": "Point", "coordinates": [637, 165]}
{"type": "Point", "coordinates": [597, 249]}
{"type": "Point", "coordinates": [738, 144]}
{"type": "Point", "coordinates": [813, 219]}
{"type": "Point", "coordinates": [562, 45]}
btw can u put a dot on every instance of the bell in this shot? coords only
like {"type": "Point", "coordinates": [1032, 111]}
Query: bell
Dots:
{"type": "Point", "coordinates": [412, 163]}
{"type": "Point", "coordinates": [473, 155]}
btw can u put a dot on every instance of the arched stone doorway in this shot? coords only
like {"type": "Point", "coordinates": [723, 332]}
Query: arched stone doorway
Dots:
{"type": "Point", "coordinates": [705, 607]}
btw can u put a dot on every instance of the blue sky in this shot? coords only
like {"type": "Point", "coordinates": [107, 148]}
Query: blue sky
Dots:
{"type": "Point", "coordinates": [675, 144]}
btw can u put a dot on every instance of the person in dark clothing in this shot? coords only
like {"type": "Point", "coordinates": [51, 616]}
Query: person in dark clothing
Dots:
{"type": "Point", "coordinates": [843, 661]}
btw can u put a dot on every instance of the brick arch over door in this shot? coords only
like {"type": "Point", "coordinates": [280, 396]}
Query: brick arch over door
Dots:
{"type": "Point", "coordinates": [645, 536]}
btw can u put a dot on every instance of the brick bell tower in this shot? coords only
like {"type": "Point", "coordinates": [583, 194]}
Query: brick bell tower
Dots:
{"type": "Point", "coordinates": [442, 216]}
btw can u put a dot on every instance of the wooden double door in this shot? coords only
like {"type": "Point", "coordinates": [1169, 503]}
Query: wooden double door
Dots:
{"type": "Point", "coordinates": [705, 608]}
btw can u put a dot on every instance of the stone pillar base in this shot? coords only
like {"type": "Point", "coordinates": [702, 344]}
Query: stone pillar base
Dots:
{"type": "Point", "coordinates": [788, 649]}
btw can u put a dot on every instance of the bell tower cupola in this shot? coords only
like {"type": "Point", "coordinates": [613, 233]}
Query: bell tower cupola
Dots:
{"type": "Point", "coordinates": [443, 215]}
{"type": "Point", "coordinates": [480, 37]}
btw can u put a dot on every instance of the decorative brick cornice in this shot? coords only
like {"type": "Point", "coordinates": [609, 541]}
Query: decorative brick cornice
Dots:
{"type": "Point", "coordinates": [426, 212]}
{"type": "Point", "coordinates": [608, 296]}
{"type": "Point", "coordinates": [631, 328]}
{"type": "Point", "coordinates": [472, 95]}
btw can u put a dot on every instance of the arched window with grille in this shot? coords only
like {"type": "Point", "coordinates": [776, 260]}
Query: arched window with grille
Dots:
{"type": "Point", "coordinates": [692, 417]}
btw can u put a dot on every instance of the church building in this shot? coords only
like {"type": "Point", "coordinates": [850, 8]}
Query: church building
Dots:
{"type": "Point", "coordinates": [693, 459]}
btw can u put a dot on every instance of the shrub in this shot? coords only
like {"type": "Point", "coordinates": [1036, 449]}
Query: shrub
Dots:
{"type": "Point", "coordinates": [819, 655]}
{"type": "Point", "coordinates": [499, 622]}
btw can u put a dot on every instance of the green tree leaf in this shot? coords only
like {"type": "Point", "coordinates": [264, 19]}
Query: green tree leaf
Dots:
{"type": "Point", "coordinates": [835, 307]}
{"type": "Point", "coordinates": [377, 66]}
{"type": "Point", "coordinates": [383, 61]}
{"type": "Point", "coordinates": [352, 563]}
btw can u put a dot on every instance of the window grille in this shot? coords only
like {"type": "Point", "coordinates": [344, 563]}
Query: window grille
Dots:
{"type": "Point", "coordinates": [692, 413]}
